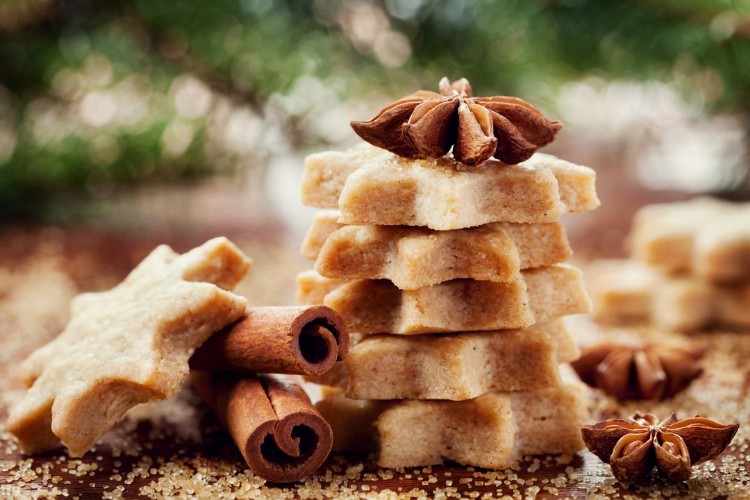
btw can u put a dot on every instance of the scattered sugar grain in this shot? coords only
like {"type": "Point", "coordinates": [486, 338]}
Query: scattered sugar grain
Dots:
{"type": "Point", "coordinates": [385, 474]}
{"type": "Point", "coordinates": [532, 491]}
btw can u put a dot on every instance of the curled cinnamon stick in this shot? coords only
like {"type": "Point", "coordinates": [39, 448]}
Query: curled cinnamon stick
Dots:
{"type": "Point", "coordinates": [304, 340]}
{"type": "Point", "coordinates": [281, 435]}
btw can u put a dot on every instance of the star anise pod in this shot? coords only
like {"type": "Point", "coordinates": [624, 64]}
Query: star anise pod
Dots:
{"type": "Point", "coordinates": [634, 446]}
{"type": "Point", "coordinates": [644, 371]}
{"type": "Point", "coordinates": [426, 125]}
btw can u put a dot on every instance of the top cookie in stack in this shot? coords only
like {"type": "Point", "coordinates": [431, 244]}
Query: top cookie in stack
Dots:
{"type": "Point", "coordinates": [373, 186]}
{"type": "Point", "coordinates": [450, 265]}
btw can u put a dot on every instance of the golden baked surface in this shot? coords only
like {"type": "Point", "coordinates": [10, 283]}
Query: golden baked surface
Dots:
{"type": "Point", "coordinates": [628, 291]}
{"type": "Point", "coordinates": [458, 366]}
{"type": "Point", "coordinates": [413, 257]}
{"type": "Point", "coordinates": [492, 430]}
{"type": "Point", "coordinates": [704, 237]}
{"type": "Point", "coordinates": [375, 306]}
{"type": "Point", "coordinates": [127, 346]}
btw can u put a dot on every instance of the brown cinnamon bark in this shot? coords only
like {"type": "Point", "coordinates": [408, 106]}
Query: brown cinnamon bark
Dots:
{"type": "Point", "coordinates": [281, 435]}
{"type": "Point", "coordinates": [300, 340]}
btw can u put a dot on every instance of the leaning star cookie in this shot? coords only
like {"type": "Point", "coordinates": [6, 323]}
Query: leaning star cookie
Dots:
{"type": "Point", "coordinates": [127, 346]}
{"type": "Point", "coordinates": [373, 186]}
{"type": "Point", "coordinates": [413, 257]}
{"type": "Point", "coordinates": [376, 306]}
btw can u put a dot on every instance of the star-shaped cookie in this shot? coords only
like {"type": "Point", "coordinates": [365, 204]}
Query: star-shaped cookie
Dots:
{"type": "Point", "coordinates": [371, 186]}
{"type": "Point", "coordinates": [704, 237]}
{"type": "Point", "coordinates": [376, 306]}
{"type": "Point", "coordinates": [627, 290]}
{"type": "Point", "coordinates": [492, 431]}
{"type": "Point", "coordinates": [127, 346]}
{"type": "Point", "coordinates": [416, 257]}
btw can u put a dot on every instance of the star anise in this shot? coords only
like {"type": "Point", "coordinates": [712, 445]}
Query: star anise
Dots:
{"type": "Point", "coordinates": [632, 447]}
{"type": "Point", "coordinates": [426, 125]}
{"type": "Point", "coordinates": [643, 371]}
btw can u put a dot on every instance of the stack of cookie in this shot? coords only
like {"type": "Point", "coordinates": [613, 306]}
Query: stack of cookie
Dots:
{"type": "Point", "coordinates": [453, 277]}
{"type": "Point", "coordinates": [690, 268]}
{"type": "Point", "coordinates": [444, 253]}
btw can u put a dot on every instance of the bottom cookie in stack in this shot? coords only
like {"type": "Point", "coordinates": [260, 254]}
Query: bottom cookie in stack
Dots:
{"type": "Point", "coordinates": [481, 398]}
{"type": "Point", "coordinates": [491, 431]}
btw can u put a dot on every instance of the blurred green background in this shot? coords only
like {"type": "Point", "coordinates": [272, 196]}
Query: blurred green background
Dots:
{"type": "Point", "coordinates": [99, 96]}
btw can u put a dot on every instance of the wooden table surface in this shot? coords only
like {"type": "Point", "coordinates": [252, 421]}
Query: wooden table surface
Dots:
{"type": "Point", "coordinates": [176, 448]}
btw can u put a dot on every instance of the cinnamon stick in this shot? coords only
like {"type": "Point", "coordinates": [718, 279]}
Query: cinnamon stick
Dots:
{"type": "Point", "coordinates": [304, 340]}
{"type": "Point", "coordinates": [281, 435]}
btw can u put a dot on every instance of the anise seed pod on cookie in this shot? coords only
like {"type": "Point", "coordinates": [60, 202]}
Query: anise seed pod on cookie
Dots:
{"type": "Point", "coordinates": [427, 125]}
